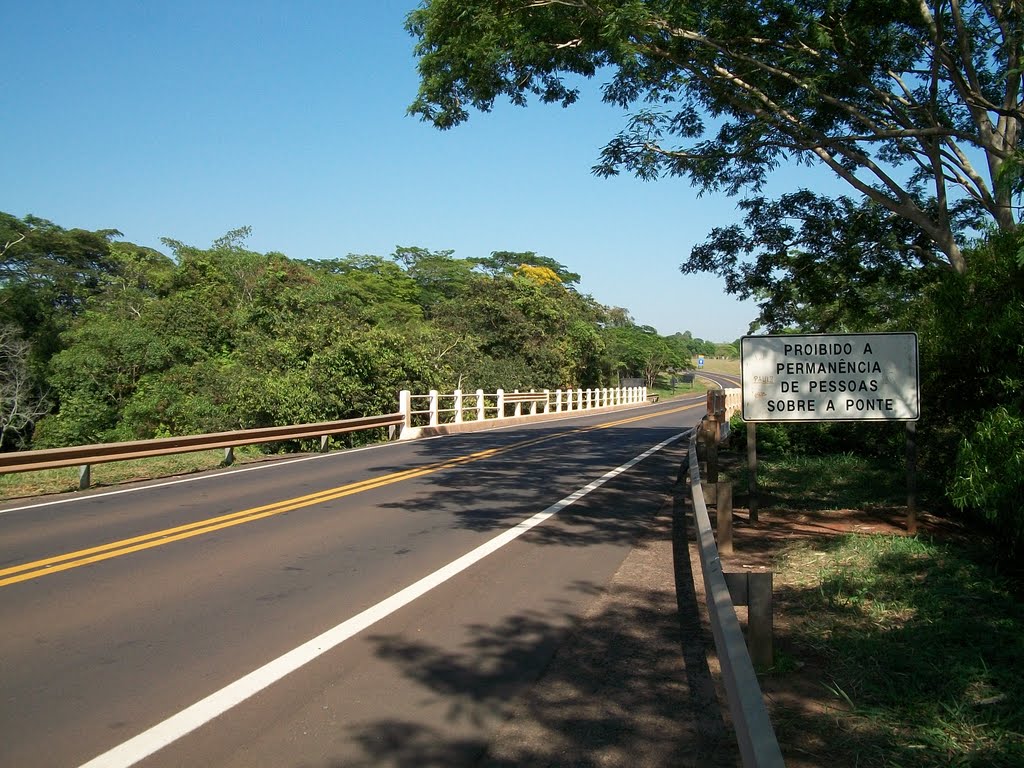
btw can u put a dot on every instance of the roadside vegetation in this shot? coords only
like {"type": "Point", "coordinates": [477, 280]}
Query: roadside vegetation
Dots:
{"type": "Point", "coordinates": [912, 647]}
{"type": "Point", "coordinates": [103, 340]}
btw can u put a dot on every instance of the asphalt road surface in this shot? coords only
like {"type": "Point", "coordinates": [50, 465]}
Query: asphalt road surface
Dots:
{"type": "Point", "coordinates": [379, 607]}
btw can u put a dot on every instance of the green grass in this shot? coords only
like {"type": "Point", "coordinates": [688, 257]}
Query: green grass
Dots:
{"type": "Point", "coordinates": [714, 365]}
{"type": "Point", "coordinates": [837, 481]}
{"type": "Point", "coordinates": [923, 642]}
{"type": "Point", "coordinates": [663, 386]}
{"type": "Point", "coordinates": [919, 638]}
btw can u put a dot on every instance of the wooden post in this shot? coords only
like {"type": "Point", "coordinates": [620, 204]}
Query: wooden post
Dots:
{"type": "Point", "coordinates": [911, 477]}
{"type": "Point", "coordinates": [723, 496]}
{"type": "Point", "coordinates": [711, 438]}
{"type": "Point", "coordinates": [752, 470]}
{"type": "Point", "coordinates": [754, 590]}
{"type": "Point", "coordinates": [759, 619]}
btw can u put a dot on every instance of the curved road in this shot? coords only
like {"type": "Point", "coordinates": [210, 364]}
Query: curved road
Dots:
{"type": "Point", "coordinates": [361, 608]}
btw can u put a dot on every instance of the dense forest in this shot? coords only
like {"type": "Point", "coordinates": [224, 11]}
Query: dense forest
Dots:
{"type": "Point", "coordinates": [103, 340]}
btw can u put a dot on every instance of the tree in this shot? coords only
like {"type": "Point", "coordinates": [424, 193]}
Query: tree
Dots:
{"type": "Point", "coordinates": [67, 265]}
{"type": "Point", "coordinates": [508, 262]}
{"type": "Point", "coordinates": [818, 264]}
{"type": "Point", "coordinates": [20, 401]}
{"type": "Point", "coordinates": [914, 103]}
{"type": "Point", "coordinates": [638, 351]}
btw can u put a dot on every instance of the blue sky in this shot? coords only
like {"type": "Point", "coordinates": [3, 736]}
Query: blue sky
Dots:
{"type": "Point", "coordinates": [188, 119]}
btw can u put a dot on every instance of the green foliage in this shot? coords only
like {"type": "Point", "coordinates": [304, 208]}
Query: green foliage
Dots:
{"type": "Point", "coordinates": [823, 438]}
{"type": "Point", "coordinates": [819, 265]}
{"type": "Point", "coordinates": [725, 93]}
{"type": "Point", "coordinates": [223, 337]}
{"type": "Point", "coordinates": [921, 641]}
{"type": "Point", "coordinates": [972, 382]}
{"type": "Point", "coordinates": [990, 474]}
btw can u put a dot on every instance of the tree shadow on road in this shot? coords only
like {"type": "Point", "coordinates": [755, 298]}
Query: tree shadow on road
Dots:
{"type": "Point", "coordinates": [629, 686]}
{"type": "Point", "coordinates": [493, 495]}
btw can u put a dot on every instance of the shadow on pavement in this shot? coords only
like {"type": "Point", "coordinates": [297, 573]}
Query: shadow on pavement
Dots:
{"type": "Point", "coordinates": [630, 687]}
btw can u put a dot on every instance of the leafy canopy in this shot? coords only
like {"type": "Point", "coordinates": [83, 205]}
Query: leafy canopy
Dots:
{"type": "Point", "coordinates": [915, 103]}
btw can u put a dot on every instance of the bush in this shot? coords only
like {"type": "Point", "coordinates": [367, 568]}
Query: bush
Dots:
{"type": "Point", "coordinates": [989, 475]}
{"type": "Point", "coordinates": [822, 438]}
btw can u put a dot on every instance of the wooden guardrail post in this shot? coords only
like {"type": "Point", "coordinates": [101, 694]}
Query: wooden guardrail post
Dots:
{"type": "Point", "coordinates": [754, 590]}
{"type": "Point", "coordinates": [711, 448]}
{"type": "Point", "coordinates": [723, 504]}
{"type": "Point", "coordinates": [759, 590]}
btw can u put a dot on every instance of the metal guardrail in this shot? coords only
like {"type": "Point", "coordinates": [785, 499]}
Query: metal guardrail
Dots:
{"type": "Point", "coordinates": [84, 455]}
{"type": "Point", "coordinates": [755, 735]}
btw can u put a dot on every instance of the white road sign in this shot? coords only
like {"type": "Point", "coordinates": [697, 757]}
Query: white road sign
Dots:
{"type": "Point", "coordinates": [845, 377]}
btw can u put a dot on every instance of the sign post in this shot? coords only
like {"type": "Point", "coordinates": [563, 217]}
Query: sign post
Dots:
{"type": "Point", "coordinates": [839, 377]}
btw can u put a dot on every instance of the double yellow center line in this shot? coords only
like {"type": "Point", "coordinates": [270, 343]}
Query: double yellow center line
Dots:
{"type": "Point", "coordinates": [69, 560]}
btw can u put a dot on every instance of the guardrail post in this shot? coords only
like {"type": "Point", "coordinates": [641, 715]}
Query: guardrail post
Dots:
{"type": "Point", "coordinates": [432, 407]}
{"type": "Point", "coordinates": [710, 429]}
{"type": "Point", "coordinates": [558, 401]}
{"type": "Point", "coordinates": [84, 477]}
{"type": "Point", "coordinates": [404, 408]}
{"type": "Point", "coordinates": [517, 410]}
{"type": "Point", "coordinates": [547, 401]}
{"type": "Point", "coordinates": [579, 397]}
{"type": "Point", "coordinates": [501, 404]}
{"type": "Point", "coordinates": [458, 406]}
{"type": "Point", "coordinates": [759, 619]}
{"type": "Point", "coordinates": [533, 407]}
{"type": "Point", "coordinates": [481, 412]}
{"type": "Point", "coordinates": [229, 456]}
{"type": "Point", "coordinates": [325, 442]}
{"type": "Point", "coordinates": [754, 590]}
{"type": "Point", "coordinates": [723, 503]}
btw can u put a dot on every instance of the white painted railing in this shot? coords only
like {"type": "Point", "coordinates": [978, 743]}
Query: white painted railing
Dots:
{"type": "Point", "coordinates": [460, 408]}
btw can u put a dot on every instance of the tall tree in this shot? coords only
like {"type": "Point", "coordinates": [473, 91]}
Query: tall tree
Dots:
{"type": "Point", "coordinates": [915, 103]}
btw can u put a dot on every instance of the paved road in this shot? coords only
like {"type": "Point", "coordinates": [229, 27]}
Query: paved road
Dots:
{"type": "Point", "coordinates": [257, 616]}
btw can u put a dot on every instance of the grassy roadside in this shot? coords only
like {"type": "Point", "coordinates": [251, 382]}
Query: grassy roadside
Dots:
{"type": "Point", "coordinates": [717, 365]}
{"type": "Point", "coordinates": [663, 383]}
{"type": "Point", "coordinates": [911, 648]}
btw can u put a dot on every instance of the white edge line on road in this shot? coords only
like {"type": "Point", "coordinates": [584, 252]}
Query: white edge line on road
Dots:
{"type": "Point", "coordinates": [189, 719]}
